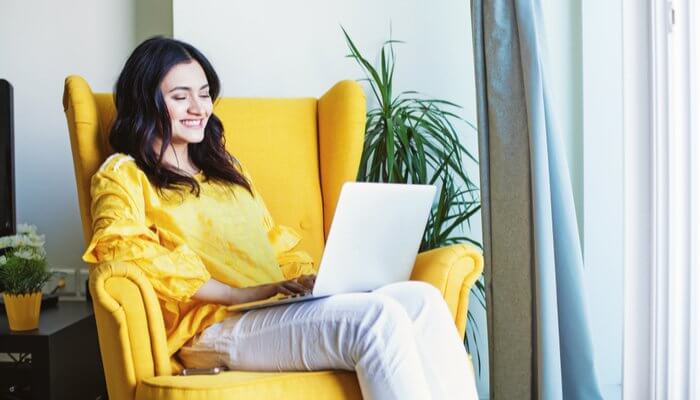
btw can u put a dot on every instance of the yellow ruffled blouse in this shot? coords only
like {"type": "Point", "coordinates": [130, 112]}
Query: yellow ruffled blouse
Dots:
{"type": "Point", "coordinates": [180, 241]}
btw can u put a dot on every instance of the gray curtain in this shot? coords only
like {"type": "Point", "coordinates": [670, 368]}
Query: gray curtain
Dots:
{"type": "Point", "coordinates": [539, 339]}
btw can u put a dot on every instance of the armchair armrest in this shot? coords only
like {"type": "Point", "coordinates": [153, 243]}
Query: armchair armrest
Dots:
{"type": "Point", "coordinates": [130, 327]}
{"type": "Point", "coordinates": [453, 270]}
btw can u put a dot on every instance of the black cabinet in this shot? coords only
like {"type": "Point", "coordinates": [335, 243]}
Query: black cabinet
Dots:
{"type": "Point", "coordinates": [59, 360]}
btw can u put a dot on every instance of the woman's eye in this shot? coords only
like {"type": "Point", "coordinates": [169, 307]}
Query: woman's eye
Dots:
{"type": "Point", "coordinates": [204, 96]}
{"type": "Point", "coordinates": [179, 98]}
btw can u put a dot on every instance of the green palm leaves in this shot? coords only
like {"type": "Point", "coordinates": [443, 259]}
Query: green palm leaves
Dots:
{"type": "Point", "coordinates": [410, 139]}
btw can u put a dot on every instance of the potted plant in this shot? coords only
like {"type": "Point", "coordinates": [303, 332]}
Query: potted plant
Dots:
{"type": "Point", "coordinates": [23, 272]}
{"type": "Point", "coordinates": [412, 139]}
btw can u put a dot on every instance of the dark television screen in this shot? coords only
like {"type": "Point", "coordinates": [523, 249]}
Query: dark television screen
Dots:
{"type": "Point", "coordinates": [8, 223]}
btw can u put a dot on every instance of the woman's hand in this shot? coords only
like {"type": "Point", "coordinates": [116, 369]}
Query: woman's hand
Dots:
{"type": "Point", "coordinates": [307, 280]}
{"type": "Point", "coordinates": [299, 285]}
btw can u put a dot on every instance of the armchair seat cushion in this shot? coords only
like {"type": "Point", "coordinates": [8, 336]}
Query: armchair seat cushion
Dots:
{"type": "Point", "coordinates": [242, 385]}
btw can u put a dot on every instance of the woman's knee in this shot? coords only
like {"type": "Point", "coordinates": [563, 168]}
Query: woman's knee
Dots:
{"type": "Point", "coordinates": [385, 327]}
{"type": "Point", "coordinates": [376, 315]}
{"type": "Point", "coordinates": [414, 292]}
{"type": "Point", "coordinates": [389, 310]}
{"type": "Point", "coordinates": [425, 290]}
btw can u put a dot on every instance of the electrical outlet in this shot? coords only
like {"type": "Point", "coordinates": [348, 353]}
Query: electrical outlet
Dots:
{"type": "Point", "coordinates": [65, 277]}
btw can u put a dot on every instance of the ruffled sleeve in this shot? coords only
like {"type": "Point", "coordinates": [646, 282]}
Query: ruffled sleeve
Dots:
{"type": "Point", "coordinates": [120, 233]}
{"type": "Point", "coordinates": [284, 240]}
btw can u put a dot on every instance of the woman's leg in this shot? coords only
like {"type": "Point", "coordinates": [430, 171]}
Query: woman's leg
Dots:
{"type": "Point", "coordinates": [366, 332]}
{"type": "Point", "coordinates": [439, 346]}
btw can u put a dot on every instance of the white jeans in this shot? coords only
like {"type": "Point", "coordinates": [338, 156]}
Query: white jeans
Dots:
{"type": "Point", "coordinates": [400, 340]}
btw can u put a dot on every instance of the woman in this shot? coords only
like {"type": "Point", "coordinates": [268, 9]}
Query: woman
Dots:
{"type": "Point", "coordinates": [172, 201]}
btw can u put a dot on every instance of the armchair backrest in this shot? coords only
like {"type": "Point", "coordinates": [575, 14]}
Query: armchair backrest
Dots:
{"type": "Point", "coordinates": [299, 151]}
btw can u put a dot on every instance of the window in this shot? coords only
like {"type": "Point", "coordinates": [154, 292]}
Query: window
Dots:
{"type": "Point", "coordinates": [662, 199]}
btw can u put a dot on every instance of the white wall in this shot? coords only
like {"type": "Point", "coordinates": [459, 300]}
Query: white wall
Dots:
{"type": "Point", "coordinates": [274, 48]}
{"type": "Point", "coordinates": [42, 42]}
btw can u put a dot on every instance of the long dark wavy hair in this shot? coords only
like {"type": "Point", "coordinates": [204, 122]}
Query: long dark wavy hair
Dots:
{"type": "Point", "coordinates": [142, 117]}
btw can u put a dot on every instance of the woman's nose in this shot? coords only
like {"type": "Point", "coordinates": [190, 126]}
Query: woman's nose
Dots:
{"type": "Point", "coordinates": [196, 107]}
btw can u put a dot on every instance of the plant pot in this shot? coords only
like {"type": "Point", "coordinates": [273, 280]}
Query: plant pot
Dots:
{"type": "Point", "coordinates": [23, 310]}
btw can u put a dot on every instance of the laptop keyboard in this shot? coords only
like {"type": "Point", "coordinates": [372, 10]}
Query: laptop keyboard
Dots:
{"type": "Point", "coordinates": [291, 296]}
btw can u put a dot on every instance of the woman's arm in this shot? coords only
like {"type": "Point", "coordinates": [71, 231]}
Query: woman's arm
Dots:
{"type": "Point", "coordinates": [121, 233]}
{"type": "Point", "coordinates": [176, 272]}
{"type": "Point", "coordinates": [213, 291]}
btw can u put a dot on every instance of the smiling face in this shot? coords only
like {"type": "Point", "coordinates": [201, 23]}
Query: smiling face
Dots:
{"type": "Point", "coordinates": [186, 93]}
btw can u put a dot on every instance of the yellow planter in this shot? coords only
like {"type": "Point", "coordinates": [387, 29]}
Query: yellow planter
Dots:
{"type": "Point", "coordinates": [23, 310]}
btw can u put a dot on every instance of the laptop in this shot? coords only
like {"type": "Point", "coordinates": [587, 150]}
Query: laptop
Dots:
{"type": "Point", "coordinates": [373, 240]}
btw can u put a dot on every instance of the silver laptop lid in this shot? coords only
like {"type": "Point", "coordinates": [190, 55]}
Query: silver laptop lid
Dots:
{"type": "Point", "coordinates": [374, 236]}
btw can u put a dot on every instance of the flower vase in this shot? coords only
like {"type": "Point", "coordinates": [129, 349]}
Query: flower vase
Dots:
{"type": "Point", "coordinates": [23, 310]}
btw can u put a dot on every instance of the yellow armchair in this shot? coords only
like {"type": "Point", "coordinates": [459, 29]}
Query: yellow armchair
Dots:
{"type": "Point", "coordinates": [300, 152]}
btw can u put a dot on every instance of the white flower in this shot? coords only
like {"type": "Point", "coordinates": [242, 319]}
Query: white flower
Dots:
{"type": "Point", "coordinates": [3, 260]}
{"type": "Point", "coordinates": [26, 228]}
{"type": "Point", "coordinates": [26, 241]}
{"type": "Point", "coordinates": [32, 241]}
{"type": "Point", "coordinates": [40, 253]}
{"type": "Point", "coordinates": [21, 241]}
{"type": "Point", "coordinates": [5, 242]}
{"type": "Point", "coordinates": [26, 254]}
{"type": "Point", "coordinates": [29, 254]}
{"type": "Point", "coordinates": [39, 240]}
